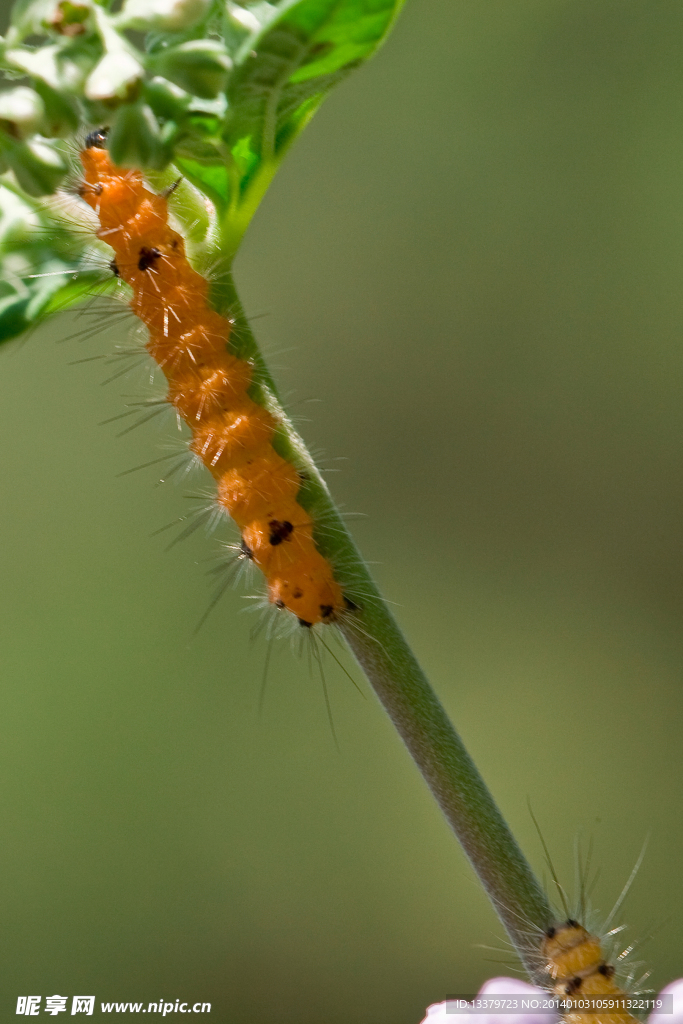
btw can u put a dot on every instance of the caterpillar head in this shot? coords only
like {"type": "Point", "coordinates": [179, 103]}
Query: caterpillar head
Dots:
{"type": "Point", "coordinates": [97, 139]}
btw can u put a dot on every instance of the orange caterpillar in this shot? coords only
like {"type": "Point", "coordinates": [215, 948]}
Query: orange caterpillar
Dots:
{"type": "Point", "coordinates": [574, 961]}
{"type": "Point", "coordinates": [208, 386]}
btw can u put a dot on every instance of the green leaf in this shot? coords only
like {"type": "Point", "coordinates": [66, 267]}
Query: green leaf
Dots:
{"type": "Point", "coordinates": [44, 296]}
{"type": "Point", "coordinates": [75, 290]}
{"type": "Point", "coordinates": [283, 72]}
{"type": "Point", "coordinates": [13, 318]}
{"type": "Point", "coordinates": [211, 179]}
{"type": "Point", "coordinates": [45, 265]}
{"type": "Point", "coordinates": [222, 105]}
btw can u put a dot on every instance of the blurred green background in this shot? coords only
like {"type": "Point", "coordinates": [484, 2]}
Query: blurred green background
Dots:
{"type": "Point", "coordinates": [473, 261]}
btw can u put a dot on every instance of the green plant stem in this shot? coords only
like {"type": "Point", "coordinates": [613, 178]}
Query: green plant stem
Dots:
{"type": "Point", "coordinates": [392, 670]}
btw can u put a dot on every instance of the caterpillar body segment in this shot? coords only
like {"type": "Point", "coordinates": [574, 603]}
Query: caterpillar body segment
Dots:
{"type": "Point", "coordinates": [208, 386]}
{"type": "Point", "coordinates": [576, 968]}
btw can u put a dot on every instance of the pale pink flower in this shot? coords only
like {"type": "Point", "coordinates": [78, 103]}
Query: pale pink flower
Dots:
{"type": "Point", "coordinates": [437, 1012]}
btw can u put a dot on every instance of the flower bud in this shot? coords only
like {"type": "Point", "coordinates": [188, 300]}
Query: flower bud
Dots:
{"type": "Point", "coordinates": [27, 18]}
{"type": "Point", "coordinates": [115, 79]}
{"type": "Point", "coordinates": [135, 139]}
{"type": "Point", "coordinates": [17, 217]}
{"type": "Point", "coordinates": [21, 112]}
{"type": "Point", "coordinates": [165, 98]}
{"type": "Point", "coordinates": [41, 64]}
{"type": "Point", "coordinates": [61, 116]}
{"type": "Point", "coordinates": [68, 19]}
{"type": "Point", "coordinates": [162, 15]}
{"type": "Point", "coordinates": [200, 66]}
{"type": "Point", "coordinates": [242, 18]}
{"type": "Point", "coordinates": [38, 166]}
